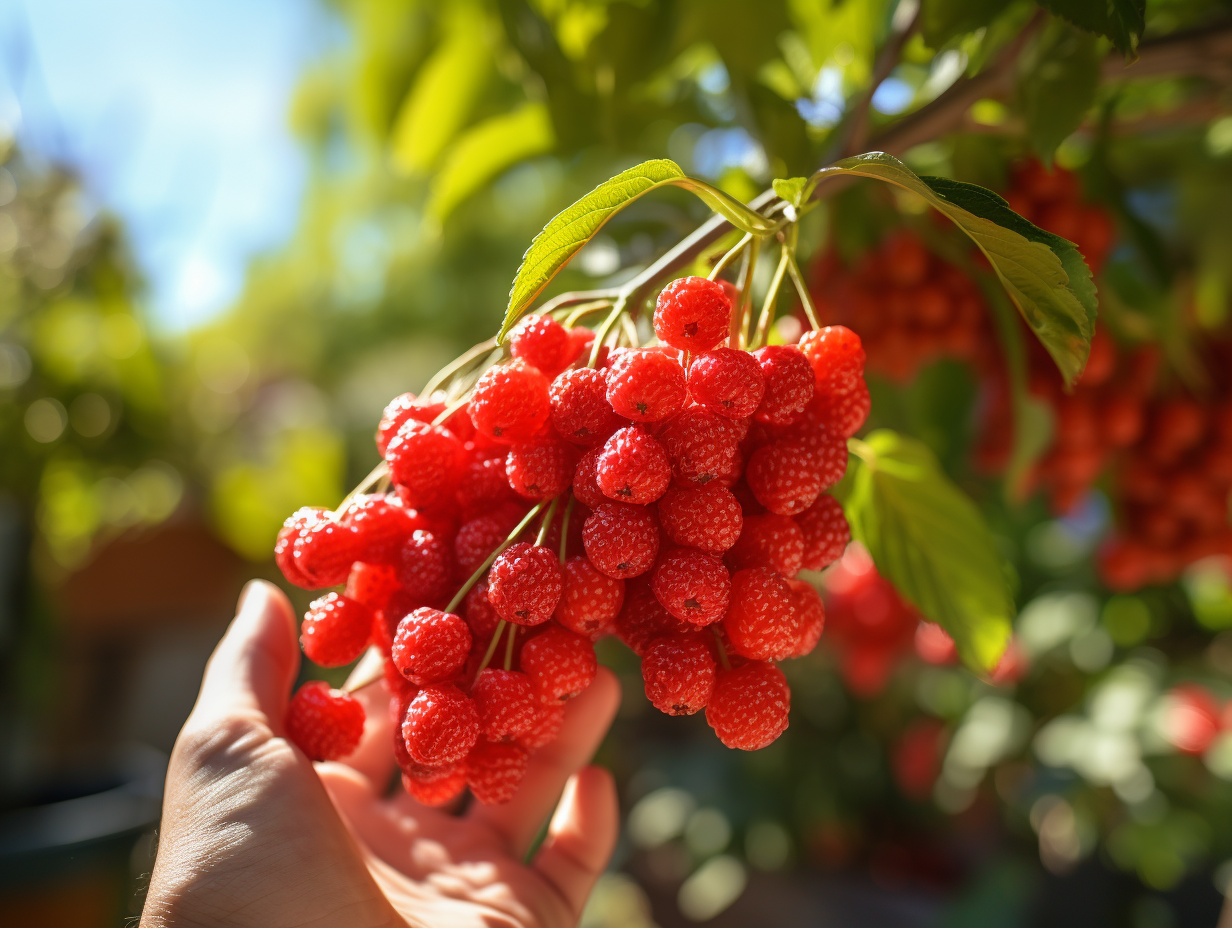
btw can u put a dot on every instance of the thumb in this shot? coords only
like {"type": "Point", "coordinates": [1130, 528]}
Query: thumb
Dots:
{"type": "Point", "coordinates": [252, 669]}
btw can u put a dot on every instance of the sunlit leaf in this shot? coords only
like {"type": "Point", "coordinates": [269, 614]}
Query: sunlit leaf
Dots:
{"type": "Point", "coordinates": [928, 538]}
{"type": "Point", "coordinates": [1043, 273]}
{"type": "Point", "coordinates": [1122, 21]}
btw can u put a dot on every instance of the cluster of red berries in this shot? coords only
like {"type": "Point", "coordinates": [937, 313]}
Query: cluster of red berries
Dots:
{"type": "Point", "coordinates": [668, 496]}
{"type": "Point", "coordinates": [1192, 718]}
{"type": "Point", "coordinates": [909, 306]}
{"type": "Point", "coordinates": [1052, 199]}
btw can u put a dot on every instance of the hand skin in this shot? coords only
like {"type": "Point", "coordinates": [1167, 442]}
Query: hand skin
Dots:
{"type": "Point", "coordinates": [254, 834]}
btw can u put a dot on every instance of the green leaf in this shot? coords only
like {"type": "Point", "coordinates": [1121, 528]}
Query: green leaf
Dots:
{"type": "Point", "coordinates": [943, 20]}
{"type": "Point", "coordinates": [1059, 87]}
{"type": "Point", "coordinates": [928, 539]}
{"type": "Point", "coordinates": [486, 149]}
{"type": "Point", "coordinates": [1122, 21]}
{"type": "Point", "coordinates": [444, 93]}
{"type": "Point", "coordinates": [574, 226]}
{"type": "Point", "coordinates": [790, 189]}
{"type": "Point", "coordinates": [1043, 273]}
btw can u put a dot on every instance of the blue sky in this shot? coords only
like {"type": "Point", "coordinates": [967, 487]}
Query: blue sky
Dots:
{"type": "Point", "coordinates": [175, 112]}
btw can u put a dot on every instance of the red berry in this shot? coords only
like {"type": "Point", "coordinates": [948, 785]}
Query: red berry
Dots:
{"type": "Point", "coordinates": [679, 673]}
{"type": "Point", "coordinates": [335, 630]}
{"type": "Point", "coordinates": [643, 619]}
{"type": "Point", "coordinates": [425, 409]}
{"type": "Point", "coordinates": [560, 663]}
{"type": "Point", "coordinates": [707, 518]}
{"type": "Point", "coordinates": [646, 385]}
{"type": "Point", "coordinates": [479, 537]}
{"type": "Point", "coordinates": [692, 314]}
{"type": "Point", "coordinates": [544, 726]}
{"type": "Point", "coordinates": [284, 548]}
{"type": "Point", "coordinates": [789, 384]}
{"type": "Point", "coordinates": [425, 461]}
{"type": "Point", "coordinates": [749, 706]}
{"type": "Point", "coordinates": [481, 618]}
{"type": "Point", "coordinates": [692, 586]}
{"type": "Point", "coordinates": [760, 622]}
{"type": "Point", "coordinates": [436, 785]}
{"type": "Point", "coordinates": [810, 617]}
{"type": "Point", "coordinates": [727, 381]}
{"type": "Point", "coordinates": [510, 402]}
{"type": "Point", "coordinates": [372, 584]}
{"type": "Point", "coordinates": [540, 470]}
{"type": "Point", "coordinates": [495, 771]}
{"type": "Point", "coordinates": [324, 552]}
{"type": "Point", "coordinates": [483, 483]}
{"type": "Point", "coordinates": [621, 540]}
{"type": "Point", "coordinates": [580, 410]}
{"type": "Point", "coordinates": [441, 725]}
{"type": "Point", "coordinates": [541, 342]}
{"type": "Point", "coordinates": [589, 600]}
{"type": "Point", "coordinates": [586, 480]}
{"type": "Point", "coordinates": [425, 567]}
{"type": "Point", "coordinates": [844, 412]}
{"type": "Point", "coordinates": [825, 446]}
{"type": "Point", "coordinates": [783, 477]}
{"type": "Point", "coordinates": [836, 356]}
{"type": "Point", "coordinates": [430, 645]}
{"type": "Point", "coordinates": [505, 701]}
{"type": "Point", "coordinates": [703, 447]}
{"type": "Point", "coordinates": [524, 584]}
{"type": "Point", "coordinates": [382, 524]}
{"type": "Point", "coordinates": [826, 533]}
{"type": "Point", "coordinates": [633, 467]}
{"type": "Point", "coordinates": [771, 541]}
{"type": "Point", "coordinates": [326, 724]}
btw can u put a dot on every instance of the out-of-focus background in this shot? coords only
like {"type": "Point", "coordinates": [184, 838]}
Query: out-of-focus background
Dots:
{"type": "Point", "coordinates": [230, 232]}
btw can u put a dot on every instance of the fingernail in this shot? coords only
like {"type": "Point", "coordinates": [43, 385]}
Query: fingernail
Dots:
{"type": "Point", "coordinates": [249, 589]}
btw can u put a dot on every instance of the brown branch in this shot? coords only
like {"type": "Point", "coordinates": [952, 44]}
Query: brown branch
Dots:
{"type": "Point", "coordinates": [1205, 51]}
{"type": "Point", "coordinates": [855, 134]}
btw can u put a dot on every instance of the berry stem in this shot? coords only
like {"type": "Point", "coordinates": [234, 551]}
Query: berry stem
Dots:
{"type": "Point", "coordinates": [574, 297]}
{"type": "Point", "coordinates": [772, 295]}
{"type": "Point", "coordinates": [487, 655]}
{"type": "Point", "coordinates": [371, 667]}
{"type": "Point", "coordinates": [456, 365]}
{"type": "Point", "coordinates": [630, 330]}
{"type": "Point", "coordinates": [802, 291]}
{"type": "Point", "coordinates": [452, 408]}
{"type": "Point", "coordinates": [373, 478]}
{"type": "Point", "coordinates": [718, 639]}
{"type": "Point", "coordinates": [745, 315]}
{"type": "Point", "coordinates": [732, 254]}
{"type": "Point", "coordinates": [605, 329]}
{"type": "Point", "coordinates": [513, 634]}
{"type": "Point", "coordinates": [564, 528]}
{"type": "Point", "coordinates": [483, 568]}
{"type": "Point", "coordinates": [547, 521]}
{"type": "Point", "coordinates": [585, 310]}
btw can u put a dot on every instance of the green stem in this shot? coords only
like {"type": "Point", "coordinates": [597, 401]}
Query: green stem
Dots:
{"type": "Point", "coordinates": [604, 330]}
{"type": "Point", "coordinates": [487, 655]}
{"type": "Point", "coordinates": [547, 521]}
{"type": "Point", "coordinates": [452, 408]}
{"type": "Point", "coordinates": [718, 639]}
{"type": "Point", "coordinates": [772, 295]}
{"type": "Point", "coordinates": [740, 320]}
{"type": "Point", "coordinates": [373, 478]}
{"type": "Point", "coordinates": [483, 568]}
{"type": "Point", "coordinates": [863, 450]}
{"type": "Point", "coordinates": [732, 254]}
{"type": "Point", "coordinates": [513, 634]}
{"type": "Point", "coordinates": [802, 291]}
{"type": "Point", "coordinates": [581, 312]}
{"type": "Point", "coordinates": [564, 528]}
{"type": "Point", "coordinates": [456, 365]}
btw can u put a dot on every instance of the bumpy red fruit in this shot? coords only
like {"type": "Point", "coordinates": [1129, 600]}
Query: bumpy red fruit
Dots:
{"type": "Point", "coordinates": [326, 724]}
{"type": "Point", "coordinates": [692, 314]}
{"type": "Point", "coordinates": [425, 461]}
{"type": "Point", "coordinates": [436, 786]}
{"type": "Point", "coordinates": [335, 630]}
{"type": "Point", "coordinates": [540, 470]}
{"type": "Point", "coordinates": [482, 535]}
{"type": "Point", "coordinates": [382, 524]}
{"type": "Point", "coordinates": [541, 342]}
{"type": "Point", "coordinates": [586, 480]}
{"type": "Point", "coordinates": [707, 518]}
{"type": "Point", "coordinates": [727, 381]}
{"type": "Point", "coordinates": [284, 548]}
{"type": "Point", "coordinates": [621, 540]}
{"type": "Point", "coordinates": [324, 552]}
{"type": "Point", "coordinates": [544, 726]}
{"type": "Point", "coordinates": [760, 621]}
{"type": "Point", "coordinates": [692, 586]}
{"type": "Point", "coordinates": [844, 412]}
{"type": "Point", "coordinates": [749, 706]}
{"type": "Point", "coordinates": [633, 467]}
{"type": "Point", "coordinates": [430, 645]}
{"type": "Point", "coordinates": [524, 584]}
{"type": "Point", "coordinates": [483, 484]}
{"type": "Point", "coordinates": [580, 410]}
{"type": "Point", "coordinates": [560, 663]}
{"type": "Point", "coordinates": [643, 619]}
{"type": "Point", "coordinates": [495, 771]}
{"type": "Point", "coordinates": [810, 617]}
{"type": "Point", "coordinates": [441, 725]}
{"type": "Point", "coordinates": [506, 703]}
{"type": "Point", "coordinates": [769, 540]}
{"type": "Point", "coordinates": [827, 449]}
{"type": "Point", "coordinates": [589, 600]}
{"type": "Point", "coordinates": [425, 567]}
{"type": "Point", "coordinates": [783, 477]}
{"type": "Point", "coordinates": [480, 617]}
{"type": "Point", "coordinates": [790, 384]}
{"type": "Point", "coordinates": [826, 533]}
{"type": "Point", "coordinates": [646, 385]}
{"type": "Point", "coordinates": [510, 402]}
{"type": "Point", "coordinates": [836, 356]}
{"type": "Point", "coordinates": [703, 447]}
{"type": "Point", "coordinates": [679, 673]}
{"type": "Point", "coordinates": [372, 584]}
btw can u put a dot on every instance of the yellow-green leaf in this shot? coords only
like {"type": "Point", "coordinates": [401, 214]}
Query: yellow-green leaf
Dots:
{"type": "Point", "coordinates": [928, 539]}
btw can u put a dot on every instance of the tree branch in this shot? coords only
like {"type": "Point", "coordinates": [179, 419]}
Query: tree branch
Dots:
{"type": "Point", "coordinates": [1205, 51]}
{"type": "Point", "coordinates": [855, 134]}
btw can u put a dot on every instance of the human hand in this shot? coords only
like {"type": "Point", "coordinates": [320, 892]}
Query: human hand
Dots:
{"type": "Point", "coordinates": [253, 833]}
